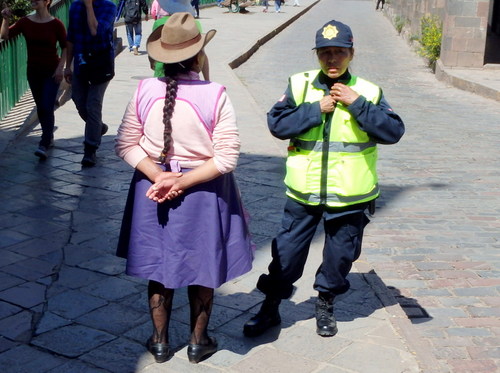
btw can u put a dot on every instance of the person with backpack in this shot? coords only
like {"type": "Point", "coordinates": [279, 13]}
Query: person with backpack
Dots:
{"type": "Point", "coordinates": [133, 22]}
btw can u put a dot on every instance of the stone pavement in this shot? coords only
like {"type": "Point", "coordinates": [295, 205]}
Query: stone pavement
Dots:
{"type": "Point", "coordinates": [66, 306]}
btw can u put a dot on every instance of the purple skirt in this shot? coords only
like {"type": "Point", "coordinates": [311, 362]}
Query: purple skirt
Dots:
{"type": "Point", "coordinates": [199, 238]}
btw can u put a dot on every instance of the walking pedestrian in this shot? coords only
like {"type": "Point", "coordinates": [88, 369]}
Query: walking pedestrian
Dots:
{"type": "Point", "coordinates": [277, 6]}
{"type": "Point", "coordinates": [334, 121]}
{"type": "Point", "coordinates": [180, 135]}
{"type": "Point", "coordinates": [90, 46]}
{"type": "Point", "coordinates": [133, 10]}
{"type": "Point", "coordinates": [157, 11]}
{"type": "Point", "coordinates": [380, 2]}
{"type": "Point", "coordinates": [265, 4]}
{"type": "Point", "coordinates": [43, 33]}
{"type": "Point", "coordinates": [196, 5]}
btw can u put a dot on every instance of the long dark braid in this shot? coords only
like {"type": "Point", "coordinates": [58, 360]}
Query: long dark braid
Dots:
{"type": "Point", "coordinates": [171, 73]}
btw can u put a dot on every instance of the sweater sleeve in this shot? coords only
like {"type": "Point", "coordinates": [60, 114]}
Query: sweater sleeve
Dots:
{"type": "Point", "coordinates": [226, 140]}
{"type": "Point", "coordinates": [127, 142]}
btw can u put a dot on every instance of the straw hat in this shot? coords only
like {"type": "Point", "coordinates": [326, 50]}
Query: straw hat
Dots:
{"type": "Point", "coordinates": [178, 40]}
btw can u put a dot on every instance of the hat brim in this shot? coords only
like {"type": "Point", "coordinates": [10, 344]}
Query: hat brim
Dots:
{"type": "Point", "coordinates": [158, 53]}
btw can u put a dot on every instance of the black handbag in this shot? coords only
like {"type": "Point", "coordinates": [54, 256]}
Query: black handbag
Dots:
{"type": "Point", "coordinates": [98, 67]}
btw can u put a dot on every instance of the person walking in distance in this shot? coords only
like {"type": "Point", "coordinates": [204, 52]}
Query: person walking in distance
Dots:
{"type": "Point", "coordinates": [180, 135]}
{"type": "Point", "coordinates": [334, 121]}
{"type": "Point", "coordinates": [196, 5]}
{"type": "Point", "coordinates": [132, 14]}
{"type": "Point", "coordinates": [157, 11]}
{"type": "Point", "coordinates": [90, 47]}
{"type": "Point", "coordinates": [277, 6]}
{"type": "Point", "coordinates": [265, 4]}
{"type": "Point", "coordinates": [43, 33]}
{"type": "Point", "coordinates": [380, 2]}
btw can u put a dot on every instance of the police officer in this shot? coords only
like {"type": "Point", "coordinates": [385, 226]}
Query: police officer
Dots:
{"type": "Point", "coordinates": [334, 121]}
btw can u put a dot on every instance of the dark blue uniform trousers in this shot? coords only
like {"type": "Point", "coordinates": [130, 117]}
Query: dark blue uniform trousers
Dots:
{"type": "Point", "coordinates": [343, 236]}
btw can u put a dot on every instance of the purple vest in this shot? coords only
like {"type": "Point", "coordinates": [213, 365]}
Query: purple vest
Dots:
{"type": "Point", "coordinates": [203, 96]}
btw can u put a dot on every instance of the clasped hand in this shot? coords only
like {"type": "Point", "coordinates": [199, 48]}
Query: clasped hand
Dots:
{"type": "Point", "coordinates": [338, 93]}
{"type": "Point", "coordinates": [166, 186]}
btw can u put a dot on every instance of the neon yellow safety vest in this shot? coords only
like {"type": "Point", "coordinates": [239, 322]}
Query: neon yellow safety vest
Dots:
{"type": "Point", "coordinates": [334, 163]}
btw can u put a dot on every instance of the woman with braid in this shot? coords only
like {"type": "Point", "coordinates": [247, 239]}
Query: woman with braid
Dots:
{"type": "Point", "coordinates": [183, 223]}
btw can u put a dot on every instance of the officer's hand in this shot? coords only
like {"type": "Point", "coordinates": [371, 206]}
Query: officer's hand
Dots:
{"type": "Point", "coordinates": [342, 93]}
{"type": "Point", "coordinates": [327, 104]}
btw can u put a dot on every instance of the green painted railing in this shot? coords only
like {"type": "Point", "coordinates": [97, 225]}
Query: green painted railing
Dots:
{"type": "Point", "coordinates": [13, 83]}
{"type": "Point", "coordinates": [13, 61]}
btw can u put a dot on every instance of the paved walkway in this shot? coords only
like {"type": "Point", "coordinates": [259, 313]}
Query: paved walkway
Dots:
{"type": "Point", "coordinates": [65, 304]}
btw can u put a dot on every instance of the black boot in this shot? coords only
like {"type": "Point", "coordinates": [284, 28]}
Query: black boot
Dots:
{"type": "Point", "coordinates": [267, 317]}
{"type": "Point", "coordinates": [325, 319]}
{"type": "Point", "coordinates": [89, 157]}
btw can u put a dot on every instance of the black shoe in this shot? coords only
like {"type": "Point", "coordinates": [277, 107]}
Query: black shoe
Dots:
{"type": "Point", "coordinates": [160, 351]}
{"type": "Point", "coordinates": [197, 352]}
{"type": "Point", "coordinates": [266, 318]}
{"type": "Point", "coordinates": [41, 152]}
{"type": "Point", "coordinates": [104, 129]}
{"type": "Point", "coordinates": [89, 158]}
{"type": "Point", "coordinates": [326, 325]}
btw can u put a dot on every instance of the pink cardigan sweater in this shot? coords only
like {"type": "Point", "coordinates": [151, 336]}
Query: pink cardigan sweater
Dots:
{"type": "Point", "coordinates": [203, 125]}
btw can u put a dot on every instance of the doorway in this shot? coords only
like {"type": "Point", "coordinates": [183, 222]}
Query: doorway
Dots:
{"type": "Point", "coordinates": [492, 50]}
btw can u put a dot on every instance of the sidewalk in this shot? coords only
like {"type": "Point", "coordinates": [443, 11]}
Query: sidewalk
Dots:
{"type": "Point", "coordinates": [65, 304]}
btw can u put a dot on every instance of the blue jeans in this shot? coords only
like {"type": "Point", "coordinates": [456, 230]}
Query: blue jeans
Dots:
{"type": "Point", "coordinates": [88, 101]}
{"type": "Point", "coordinates": [134, 34]}
{"type": "Point", "coordinates": [277, 5]}
{"type": "Point", "coordinates": [44, 90]}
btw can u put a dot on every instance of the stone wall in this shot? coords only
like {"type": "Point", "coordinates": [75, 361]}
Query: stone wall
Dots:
{"type": "Point", "coordinates": [464, 33]}
{"type": "Point", "coordinates": [465, 24]}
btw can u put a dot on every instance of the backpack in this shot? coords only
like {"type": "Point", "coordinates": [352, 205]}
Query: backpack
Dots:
{"type": "Point", "coordinates": [132, 11]}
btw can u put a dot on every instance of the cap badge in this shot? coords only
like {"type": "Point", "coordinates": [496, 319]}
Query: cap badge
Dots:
{"type": "Point", "coordinates": [330, 32]}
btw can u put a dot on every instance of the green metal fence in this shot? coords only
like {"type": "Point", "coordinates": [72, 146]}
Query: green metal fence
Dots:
{"type": "Point", "coordinates": [13, 61]}
{"type": "Point", "coordinates": [13, 83]}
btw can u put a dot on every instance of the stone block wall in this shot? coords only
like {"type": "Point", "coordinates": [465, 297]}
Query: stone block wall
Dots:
{"type": "Point", "coordinates": [465, 24]}
{"type": "Point", "coordinates": [464, 33]}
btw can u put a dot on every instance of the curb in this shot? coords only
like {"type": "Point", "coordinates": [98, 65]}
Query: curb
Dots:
{"type": "Point", "coordinates": [446, 75]}
{"type": "Point", "coordinates": [238, 61]}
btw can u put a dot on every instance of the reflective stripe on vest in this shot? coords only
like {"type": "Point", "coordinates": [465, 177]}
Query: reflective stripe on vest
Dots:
{"type": "Point", "coordinates": [335, 162]}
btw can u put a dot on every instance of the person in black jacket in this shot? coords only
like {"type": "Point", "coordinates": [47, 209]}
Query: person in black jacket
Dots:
{"type": "Point", "coordinates": [133, 22]}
